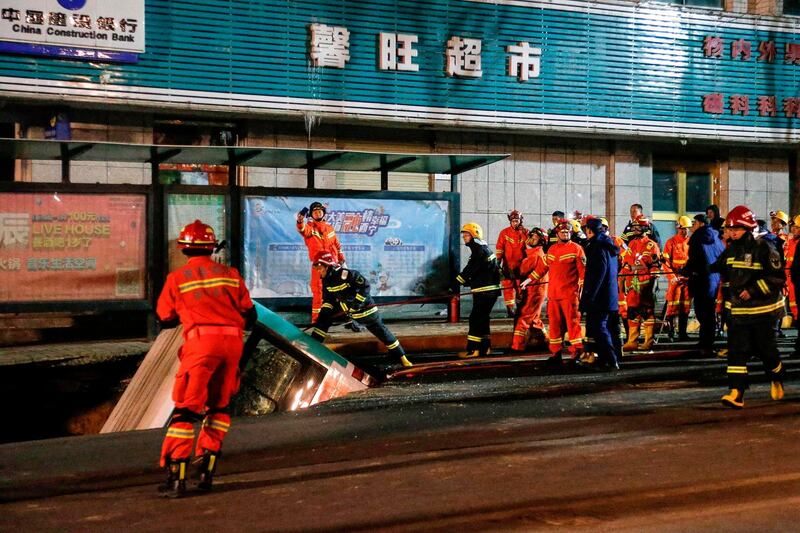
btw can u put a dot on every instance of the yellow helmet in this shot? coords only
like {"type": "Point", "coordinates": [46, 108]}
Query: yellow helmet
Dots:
{"type": "Point", "coordinates": [576, 225]}
{"type": "Point", "coordinates": [796, 220]}
{"type": "Point", "coordinates": [473, 229]}
{"type": "Point", "coordinates": [604, 221]}
{"type": "Point", "coordinates": [684, 222]}
{"type": "Point", "coordinates": [780, 215]}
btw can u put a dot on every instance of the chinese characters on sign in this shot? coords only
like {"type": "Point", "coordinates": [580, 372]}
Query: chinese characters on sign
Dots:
{"type": "Point", "coordinates": [105, 25]}
{"type": "Point", "coordinates": [366, 222]}
{"type": "Point", "coordinates": [329, 46]}
{"type": "Point", "coordinates": [396, 52]}
{"type": "Point", "coordinates": [524, 61]}
{"type": "Point", "coordinates": [740, 104]}
{"type": "Point", "coordinates": [464, 57]}
{"type": "Point", "coordinates": [71, 247]}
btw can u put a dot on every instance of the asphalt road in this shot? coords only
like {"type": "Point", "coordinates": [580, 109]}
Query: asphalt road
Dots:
{"type": "Point", "coordinates": [649, 448]}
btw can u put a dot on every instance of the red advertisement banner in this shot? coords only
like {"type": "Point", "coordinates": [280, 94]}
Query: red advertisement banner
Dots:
{"type": "Point", "coordinates": [64, 247]}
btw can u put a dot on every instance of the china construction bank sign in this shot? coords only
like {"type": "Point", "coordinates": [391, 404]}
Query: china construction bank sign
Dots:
{"type": "Point", "coordinates": [83, 29]}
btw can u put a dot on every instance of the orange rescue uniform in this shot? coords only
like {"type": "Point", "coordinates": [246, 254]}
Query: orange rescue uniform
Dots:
{"type": "Point", "coordinates": [676, 253]}
{"type": "Point", "coordinates": [623, 303]}
{"type": "Point", "coordinates": [566, 264]}
{"type": "Point", "coordinates": [209, 299]}
{"type": "Point", "coordinates": [510, 252]}
{"type": "Point", "coordinates": [789, 249]}
{"type": "Point", "coordinates": [319, 235]}
{"type": "Point", "coordinates": [530, 312]}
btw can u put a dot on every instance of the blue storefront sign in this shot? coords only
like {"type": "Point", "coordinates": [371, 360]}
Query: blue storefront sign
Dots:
{"type": "Point", "coordinates": [641, 69]}
{"type": "Point", "coordinates": [102, 30]}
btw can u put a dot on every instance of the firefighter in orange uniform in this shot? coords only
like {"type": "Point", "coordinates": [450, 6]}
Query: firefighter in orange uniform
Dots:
{"type": "Point", "coordinates": [510, 251]}
{"type": "Point", "coordinates": [319, 236]}
{"type": "Point", "coordinates": [639, 262]}
{"type": "Point", "coordinates": [212, 303]}
{"type": "Point", "coordinates": [566, 263]}
{"type": "Point", "coordinates": [529, 318]}
{"type": "Point", "coordinates": [789, 249]}
{"type": "Point", "coordinates": [676, 253]}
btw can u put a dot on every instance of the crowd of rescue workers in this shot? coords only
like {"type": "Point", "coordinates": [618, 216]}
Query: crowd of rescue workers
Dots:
{"type": "Point", "coordinates": [737, 273]}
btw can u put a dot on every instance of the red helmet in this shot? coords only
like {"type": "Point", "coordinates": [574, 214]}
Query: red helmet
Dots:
{"type": "Point", "coordinates": [563, 223]}
{"type": "Point", "coordinates": [741, 217]}
{"type": "Point", "coordinates": [538, 233]}
{"type": "Point", "coordinates": [515, 214]}
{"type": "Point", "coordinates": [325, 258]}
{"type": "Point", "coordinates": [641, 221]}
{"type": "Point", "coordinates": [585, 219]}
{"type": "Point", "coordinates": [197, 236]}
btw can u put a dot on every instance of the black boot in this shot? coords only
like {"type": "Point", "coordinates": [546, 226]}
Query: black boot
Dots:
{"type": "Point", "coordinates": [175, 486]}
{"type": "Point", "coordinates": [671, 328]}
{"type": "Point", "coordinates": [683, 322]}
{"type": "Point", "coordinates": [207, 468]}
{"type": "Point", "coordinates": [486, 346]}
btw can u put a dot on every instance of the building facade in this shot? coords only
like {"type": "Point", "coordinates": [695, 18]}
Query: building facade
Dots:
{"type": "Point", "coordinates": [598, 104]}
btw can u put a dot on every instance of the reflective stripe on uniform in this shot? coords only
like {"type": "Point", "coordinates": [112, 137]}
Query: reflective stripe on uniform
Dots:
{"type": "Point", "coordinates": [338, 288]}
{"type": "Point", "coordinates": [208, 283]}
{"type": "Point", "coordinates": [324, 306]}
{"type": "Point", "coordinates": [360, 297]}
{"type": "Point", "coordinates": [757, 310]}
{"type": "Point", "coordinates": [394, 345]}
{"type": "Point", "coordinates": [177, 433]}
{"type": "Point", "coordinates": [487, 288]}
{"type": "Point", "coordinates": [318, 331]}
{"type": "Point", "coordinates": [459, 279]}
{"type": "Point", "coordinates": [364, 313]}
{"type": "Point", "coordinates": [763, 286]}
{"type": "Point", "coordinates": [473, 338]}
{"type": "Point", "coordinates": [219, 425]}
{"type": "Point", "coordinates": [737, 370]}
{"type": "Point", "coordinates": [742, 264]}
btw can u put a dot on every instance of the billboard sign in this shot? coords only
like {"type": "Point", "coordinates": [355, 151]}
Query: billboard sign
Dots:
{"type": "Point", "coordinates": [72, 247]}
{"type": "Point", "coordinates": [46, 27]}
{"type": "Point", "coordinates": [400, 245]}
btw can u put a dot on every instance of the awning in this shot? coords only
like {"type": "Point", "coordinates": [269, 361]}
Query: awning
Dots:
{"type": "Point", "coordinates": [344, 160]}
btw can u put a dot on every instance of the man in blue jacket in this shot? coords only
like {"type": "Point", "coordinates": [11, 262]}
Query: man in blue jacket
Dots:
{"type": "Point", "coordinates": [599, 297]}
{"type": "Point", "coordinates": [705, 247]}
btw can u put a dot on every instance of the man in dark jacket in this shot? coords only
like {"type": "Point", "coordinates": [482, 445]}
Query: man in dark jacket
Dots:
{"type": "Point", "coordinates": [714, 220]}
{"type": "Point", "coordinates": [482, 275]}
{"type": "Point", "coordinates": [754, 271]}
{"type": "Point", "coordinates": [552, 234]}
{"type": "Point", "coordinates": [599, 297]}
{"type": "Point", "coordinates": [628, 233]}
{"type": "Point", "coordinates": [705, 248]}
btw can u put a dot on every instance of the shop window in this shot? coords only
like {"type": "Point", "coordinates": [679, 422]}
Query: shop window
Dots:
{"type": "Point", "coordinates": [7, 168]}
{"type": "Point", "coordinates": [177, 132]}
{"type": "Point", "coordinates": [677, 192]}
{"type": "Point", "coordinates": [791, 7]}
